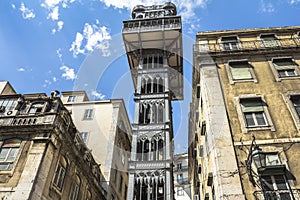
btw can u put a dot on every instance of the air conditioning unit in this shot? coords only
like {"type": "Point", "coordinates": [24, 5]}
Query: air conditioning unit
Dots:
{"type": "Point", "coordinates": [196, 197]}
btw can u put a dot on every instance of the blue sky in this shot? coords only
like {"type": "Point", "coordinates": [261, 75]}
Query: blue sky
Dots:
{"type": "Point", "coordinates": [76, 44]}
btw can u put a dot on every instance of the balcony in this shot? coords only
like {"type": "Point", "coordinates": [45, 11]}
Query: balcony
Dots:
{"type": "Point", "coordinates": [182, 181]}
{"type": "Point", "coordinates": [277, 195]}
{"type": "Point", "coordinates": [247, 46]}
{"type": "Point", "coordinates": [183, 168]}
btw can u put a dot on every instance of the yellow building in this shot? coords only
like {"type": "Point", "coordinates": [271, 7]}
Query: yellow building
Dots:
{"type": "Point", "coordinates": [245, 114]}
{"type": "Point", "coordinates": [42, 155]}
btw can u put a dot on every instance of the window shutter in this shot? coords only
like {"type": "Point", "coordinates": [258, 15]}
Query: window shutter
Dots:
{"type": "Point", "coordinates": [240, 70]}
{"type": "Point", "coordinates": [255, 105]}
{"type": "Point", "coordinates": [283, 64]}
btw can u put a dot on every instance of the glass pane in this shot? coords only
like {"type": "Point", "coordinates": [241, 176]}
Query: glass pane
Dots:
{"type": "Point", "coordinates": [291, 72]}
{"type": "Point", "coordinates": [12, 154]}
{"type": "Point", "coordinates": [4, 167]}
{"type": "Point", "coordinates": [249, 119]}
{"type": "Point", "coordinates": [272, 159]}
{"type": "Point", "coordinates": [260, 119]}
{"type": "Point", "coordinates": [281, 73]}
{"type": "Point", "coordinates": [3, 154]}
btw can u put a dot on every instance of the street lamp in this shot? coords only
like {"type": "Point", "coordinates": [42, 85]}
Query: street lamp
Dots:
{"type": "Point", "coordinates": [259, 157]}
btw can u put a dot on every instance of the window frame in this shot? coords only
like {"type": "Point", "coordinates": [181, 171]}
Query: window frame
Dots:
{"type": "Point", "coordinates": [276, 73]}
{"type": "Point", "coordinates": [231, 48]}
{"type": "Point", "coordinates": [57, 174]}
{"type": "Point", "coordinates": [12, 163]}
{"type": "Point", "coordinates": [71, 99]}
{"type": "Point", "coordinates": [265, 45]}
{"type": "Point", "coordinates": [88, 114]}
{"type": "Point", "coordinates": [75, 188]}
{"type": "Point", "coordinates": [233, 80]}
{"type": "Point", "coordinates": [245, 128]}
{"type": "Point", "coordinates": [86, 136]}
{"type": "Point", "coordinates": [288, 100]}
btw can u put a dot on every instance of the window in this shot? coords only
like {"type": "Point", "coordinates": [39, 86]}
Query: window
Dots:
{"type": "Point", "coordinates": [275, 187]}
{"type": "Point", "coordinates": [230, 43]}
{"type": "Point", "coordinates": [88, 114]}
{"type": "Point", "coordinates": [84, 136]}
{"type": "Point", "coordinates": [253, 110]}
{"type": "Point", "coordinates": [7, 105]}
{"type": "Point", "coordinates": [180, 191]}
{"type": "Point", "coordinates": [253, 113]}
{"type": "Point", "coordinates": [293, 102]}
{"type": "Point", "coordinates": [269, 41]}
{"type": "Point", "coordinates": [179, 178]}
{"type": "Point", "coordinates": [71, 98]}
{"type": "Point", "coordinates": [179, 166]}
{"type": "Point", "coordinates": [88, 195]}
{"type": "Point", "coordinates": [285, 67]}
{"type": "Point", "coordinates": [8, 153]}
{"type": "Point", "coordinates": [60, 173]}
{"type": "Point", "coordinates": [240, 71]}
{"type": "Point", "coordinates": [36, 108]}
{"type": "Point", "coordinates": [73, 195]}
{"type": "Point", "coordinates": [120, 184]}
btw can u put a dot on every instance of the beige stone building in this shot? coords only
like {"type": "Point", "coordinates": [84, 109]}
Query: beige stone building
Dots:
{"type": "Point", "coordinates": [42, 155]}
{"type": "Point", "coordinates": [245, 114]}
{"type": "Point", "coordinates": [182, 188]}
{"type": "Point", "coordinates": [105, 128]}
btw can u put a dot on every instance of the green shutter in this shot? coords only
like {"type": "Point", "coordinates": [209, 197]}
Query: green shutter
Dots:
{"type": "Point", "coordinates": [283, 64]}
{"type": "Point", "coordinates": [255, 105]}
{"type": "Point", "coordinates": [240, 71]}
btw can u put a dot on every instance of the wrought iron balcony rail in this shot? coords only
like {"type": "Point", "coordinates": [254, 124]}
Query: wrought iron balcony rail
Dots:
{"type": "Point", "coordinates": [151, 24]}
{"type": "Point", "coordinates": [277, 195]}
{"type": "Point", "coordinates": [231, 47]}
{"type": "Point", "coordinates": [182, 180]}
{"type": "Point", "coordinates": [183, 168]}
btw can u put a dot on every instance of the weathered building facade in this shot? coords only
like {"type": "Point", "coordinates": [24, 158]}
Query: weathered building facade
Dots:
{"type": "Point", "coordinates": [244, 120]}
{"type": "Point", "coordinates": [42, 155]}
{"type": "Point", "coordinates": [182, 188]}
{"type": "Point", "coordinates": [106, 130]}
{"type": "Point", "coordinates": [153, 45]}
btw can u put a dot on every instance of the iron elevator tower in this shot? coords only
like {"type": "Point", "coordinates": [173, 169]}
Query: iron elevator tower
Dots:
{"type": "Point", "coordinates": [153, 44]}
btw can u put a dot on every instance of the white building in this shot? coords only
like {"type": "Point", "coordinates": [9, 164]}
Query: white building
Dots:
{"type": "Point", "coordinates": [182, 186]}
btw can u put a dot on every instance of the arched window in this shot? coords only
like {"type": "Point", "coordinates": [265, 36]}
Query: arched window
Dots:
{"type": "Point", "coordinates": [60, 173]}
{"type": "Point", "coordinates": [73, 195]}
{"type": "Point", "coordinates": [8, 153]}
{"type": "Point", "coordinates": [88, 195]}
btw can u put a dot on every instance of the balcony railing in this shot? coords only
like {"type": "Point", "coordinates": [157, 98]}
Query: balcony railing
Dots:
{"type": "Point", "coordinates": [231, 47]}
{"type": "Point", "coordinates": [277, 195]}
{"type": "Point", "coordinates": [183, 168]}
{"type": "Point", "coordinates": [152, 24]}
{"type": "Point", "coordinates": [182, 180]}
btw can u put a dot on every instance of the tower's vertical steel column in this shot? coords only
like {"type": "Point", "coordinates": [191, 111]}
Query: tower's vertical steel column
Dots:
{"type": "Point", "coordinates": [153, 45]}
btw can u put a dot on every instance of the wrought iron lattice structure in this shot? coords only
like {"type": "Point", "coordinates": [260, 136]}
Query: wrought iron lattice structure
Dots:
{"type": "Point", "coordinates": [153, 44]}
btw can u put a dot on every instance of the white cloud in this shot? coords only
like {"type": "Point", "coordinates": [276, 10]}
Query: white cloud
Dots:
{"type": "Point", "coordinates": [54, 79]}
{"type": "Point", "coordinates": [266, 7]}
{"type": "Point", "coordinates": [294, 1]}
{"type": "Point", "coordinates": [97, 95]}
{"type": "Point", "coordinates": [26, 12]}
{"type": "Point", "coordinates": [13, 6]}
{"type": "Point", "coordinates": [93, 37]}
{"type": "Point", "coordinates": [53, 14]}
{"type": "Point", "coordinates": [60, 25]}
{"type": "Point", "coordinates": [68, 74]}
{"type": "Point", "coordinates": [184, 8]}
{"type": "Point", "coordinates": [21, 69]}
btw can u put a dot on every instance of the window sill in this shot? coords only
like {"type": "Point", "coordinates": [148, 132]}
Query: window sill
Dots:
{"type": "Point", "coordinates": [287, 78]}
{"type": "Point", "coordinates": [243, 81]}
{"type": "Point", "coordinates": [258, 128]}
